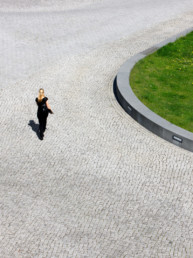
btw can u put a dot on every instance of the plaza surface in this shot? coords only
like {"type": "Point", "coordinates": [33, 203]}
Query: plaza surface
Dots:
{"type": "Point", "coordinates": [99, 184]}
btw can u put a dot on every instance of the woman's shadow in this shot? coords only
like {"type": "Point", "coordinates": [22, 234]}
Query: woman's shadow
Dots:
{"type": "Point", "coordinates": [34, 127]}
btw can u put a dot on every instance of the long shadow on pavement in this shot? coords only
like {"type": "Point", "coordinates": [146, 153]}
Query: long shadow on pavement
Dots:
{"type": "Point", "coordinates": [34, 127]}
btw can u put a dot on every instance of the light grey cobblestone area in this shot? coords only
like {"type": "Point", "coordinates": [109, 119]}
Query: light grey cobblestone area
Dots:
{"type": "Point", "coordinates": [99, 185]}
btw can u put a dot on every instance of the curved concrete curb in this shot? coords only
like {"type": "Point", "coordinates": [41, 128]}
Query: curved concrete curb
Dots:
{"type": "Point", "coordinates": [139, 111]}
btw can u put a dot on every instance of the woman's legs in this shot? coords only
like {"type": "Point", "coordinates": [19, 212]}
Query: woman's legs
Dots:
{"type": "Point", "coordinates": [44, 122]}
{"type": "Point", "coordinates": [42, 125]}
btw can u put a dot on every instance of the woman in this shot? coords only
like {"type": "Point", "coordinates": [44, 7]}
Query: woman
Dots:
{"type": "Point", "coordinates": [42, 113]}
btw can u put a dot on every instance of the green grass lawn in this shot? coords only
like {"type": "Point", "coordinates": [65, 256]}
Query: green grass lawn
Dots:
{"type": "Point", "coordinates": [163, 81]}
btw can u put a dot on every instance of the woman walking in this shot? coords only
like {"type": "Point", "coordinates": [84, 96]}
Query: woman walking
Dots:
{"type": "Point", "coordinates": [42, 113]}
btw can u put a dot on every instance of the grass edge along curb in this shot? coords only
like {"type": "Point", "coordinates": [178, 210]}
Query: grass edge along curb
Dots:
{"type": "Point", "coordinates": [139, 111]}
{"type": "Point", "coordinates": [163, 82]}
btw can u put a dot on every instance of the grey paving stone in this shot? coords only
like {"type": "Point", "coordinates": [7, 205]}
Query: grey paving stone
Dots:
{"type": "Point", "coordinates": [99, 185]}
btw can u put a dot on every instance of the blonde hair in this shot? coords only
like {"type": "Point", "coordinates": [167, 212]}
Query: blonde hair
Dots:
{"type": "Point", "coordinates": [41, 94]}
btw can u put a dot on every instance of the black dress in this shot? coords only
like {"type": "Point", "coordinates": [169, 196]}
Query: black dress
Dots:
{"type": "Point", "coordinates": [42, 115]}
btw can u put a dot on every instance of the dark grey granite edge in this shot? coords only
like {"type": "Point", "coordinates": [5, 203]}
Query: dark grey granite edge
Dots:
{"type": "Point", "coordinates": [143, 115]}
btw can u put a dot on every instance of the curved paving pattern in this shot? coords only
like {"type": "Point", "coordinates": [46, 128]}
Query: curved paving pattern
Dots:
{"type": "Point", "coordinates": [99, 185]}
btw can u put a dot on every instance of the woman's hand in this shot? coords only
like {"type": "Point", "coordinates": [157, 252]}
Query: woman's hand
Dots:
{"type": "Point", "coordinates": [50, 111]}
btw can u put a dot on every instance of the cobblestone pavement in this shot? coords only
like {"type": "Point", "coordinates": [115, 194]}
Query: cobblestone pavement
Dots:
{"type": "Point", "coordinates": [99, 184]}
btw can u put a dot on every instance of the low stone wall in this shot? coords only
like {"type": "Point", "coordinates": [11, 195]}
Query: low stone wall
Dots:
{"type": "Point", "coordinates": [140, 112]}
